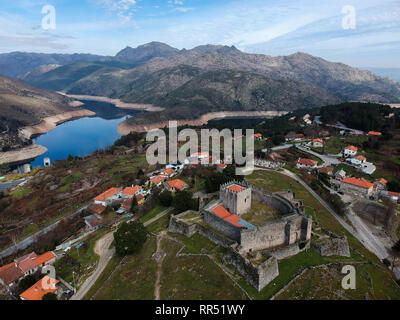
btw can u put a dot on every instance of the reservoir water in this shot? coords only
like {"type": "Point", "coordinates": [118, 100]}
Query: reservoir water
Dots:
{"type": "Point", "coordinates": [83, 136]}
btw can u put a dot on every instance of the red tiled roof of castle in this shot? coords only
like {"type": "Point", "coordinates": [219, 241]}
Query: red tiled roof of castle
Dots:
{"type": "Point", "coordinates": [358, 182]}
{"type": "Point", "coordinates": [235, 188]}
{"type": "Point", "coordinates": [221, 212]}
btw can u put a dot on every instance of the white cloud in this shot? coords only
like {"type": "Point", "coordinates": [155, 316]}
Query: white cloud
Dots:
{"type": "Point", "coordinates": [123, 8]}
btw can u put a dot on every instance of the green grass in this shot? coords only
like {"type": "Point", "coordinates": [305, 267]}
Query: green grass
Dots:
{"type": "Point", "coordinates": [32, 228]}
{"type": "Point", "coordinates": [21, 193]}
{"type": "Point", "coordinates": [196, 244]}
{"type": "Point", "coordinates": [257, 218]}
{"type": "Point", "coordinates": [152, 213]}
{"type": "Point", "coordinates": [159, 225]}
{"type": "Point", "coordinates": [194, 278]}
{"type": "Point", "coordinates": [325, 284]}
{"type": "Point", "coordinates": [135, 279]}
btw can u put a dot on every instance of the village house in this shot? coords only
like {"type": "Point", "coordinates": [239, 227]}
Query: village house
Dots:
{"type": "Point", "coordinates": [221, 167]}
{"type": "Point", "coordinates": [358, 160]}
{"type": "Point", "coordinates": [97, 208]}
{"type": "Point", "coordinates": [306, 163]}
{"type": "Point", "coordinates": [12, 273]}
{"type": "Point", "coordinates": [381, 184]}
{"type": "Point", "coordinates": [318, 143]}
{"type": "Point", "coordinates": [157, 180]}
{"type": "Point", "coordinates": [324, 133]}
{"type": "Point", "coordinates": [391, 196]}
{"type": "Point", "coordinates": [175, 185]}
{"type": "Point", "coordinates": [200, 155]}
{"type": "Point", "coordinates": [108, 197]}
{"type": "Point", "coordinates": [374, 133]}
{"type": "Point", "coordinates": [258, 136]}
{"type": "Point", "coordinates": [168, 172]}
{"type": "Point", "coordinates": [139, 199]}
{"type": "Point", "coordinates": [350, 151]}
{"type": "Point", "coordinates": [299, 136]}
{"type": "Point", "coordinates": [327, 170]}
{"type": "Point", "coordinates": [357, 186]}
{"type": "Point", "coordinates": [340, 174]}
{"type": "Point", "coordinates": [130, 192]}
{"type": "Point", "coordinates": [41, 288]}
{"type": "Point", "coordinates": [93, 222]}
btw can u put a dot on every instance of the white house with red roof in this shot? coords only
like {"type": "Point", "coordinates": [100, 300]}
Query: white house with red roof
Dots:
{"type": "Point", "coordinates": [130, 192]}
{"type": "Point", "coordinates": [358, 186]}
{"type": "Point", "coordinates": [318, 143]}
{"type": "Point", "coordinates": [350, 151]}
{"type": "Point", "coordinates": [306, 163]}
{"type": "Point", "coordinates": [109, 196]}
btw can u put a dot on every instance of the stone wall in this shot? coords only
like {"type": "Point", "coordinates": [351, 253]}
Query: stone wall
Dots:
{"type": "Point", "coordinates": [222, 225]}
{"type": "Point", "coordinates": [187, 228]}
{"type": "Point", "coordinates": [287, 251]}
{"type": "Point", "coordinates": [277, 233]}
{"type": "Point", "coordinates": [256, 275]}
{"type": "Point", "coordinates": [332, 246]}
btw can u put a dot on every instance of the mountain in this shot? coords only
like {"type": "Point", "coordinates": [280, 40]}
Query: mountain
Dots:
{"type": "Point", "coordinates": [392, 73]}
{"type": "Point", "coordinates": [16, 64]}
{"type": "Point", "coordinates": [215, 78]}
{"type": "Point", "coordinates": [146, 52]}
{"type": "Point", "coordinates": [22, 104]}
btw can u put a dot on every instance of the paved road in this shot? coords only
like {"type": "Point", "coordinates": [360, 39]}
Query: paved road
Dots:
{"type": "Point", "coordinates": [328, 160]}
{"type": "Point", "coordinates": [31, 239]}
{"type": "Point", "coordinates": [365, 237]}
{"type": "Point", "coordinates": [102, 248]}
{"type": "Point", "coordinates": [10, 184]}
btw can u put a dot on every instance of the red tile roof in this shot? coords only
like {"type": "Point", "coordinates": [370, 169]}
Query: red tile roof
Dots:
{"type": "Point", "coordinates": [157, 179]}
{"type": "Point", "coordinates": [222, 165]}
{"type": "Point", "coordinates": [47, 256]}
{"type": "Point", "coordinates": [221, 212]}
{"type": "Point", "coordinates": [10, 273]}
{"type": "Point", "coordinates": [308, 162]}
{"type": "Point", "coordinates": [127, 204]}
{"type": "Point", "coordinates": [374, 133]}
{"type": "Point", "coordinates": [107, 194]}
{"type": "Point", "coordinates": [358, 182]}
{"type": "Point", "coordinates": [318, 140]}
{"type": "Point", "coordinates": [28, 263]}
{"type": "Point", "coordinates": [131, 191]}
{"type": "Point", "coordinates": [257, 135]}
{"type": "Point", "coordinates": [236, 188]}
{"type": "Point", "coordinates": [362, 158]}
{"type": "Point", "coordinates": [394, 194]}
{"type": "Point", "coordinates": [299, 135]}
{"type": "Point", "coordinates": [40, 288]}
{"type": "Point", "coordinates": [351, 148]}
{"type": "Point", "coordinates": [139, 197]}
{"type": "Point", "coordinates": [168, 171]}
{"type": "Point", "coordinates": [381, 180]}
{"type": "Point", "coordinates": [200, 154]}
{"type": "Point", "coordinates": [177, 184]}
{"type": "Point", "coordinates": [97, 208]}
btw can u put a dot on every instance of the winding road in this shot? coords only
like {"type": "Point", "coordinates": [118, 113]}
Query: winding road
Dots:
{"type": "Point", "coordinates": [102, 248]}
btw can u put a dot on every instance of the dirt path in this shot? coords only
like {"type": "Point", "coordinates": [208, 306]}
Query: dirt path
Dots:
{"type": "Point", "coordinates": [102, 249]}
{"type": "Point", "coordinates": [159, 266]}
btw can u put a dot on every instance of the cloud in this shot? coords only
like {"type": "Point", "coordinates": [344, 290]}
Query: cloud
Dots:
{"type": "Point", "coordinates": [123, 8]}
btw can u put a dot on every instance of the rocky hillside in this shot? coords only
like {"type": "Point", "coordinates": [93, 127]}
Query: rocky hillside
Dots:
{"type": "Point", "coordinates": [22, 104]}
{"type": "Point", "coordinates": [212, 78]}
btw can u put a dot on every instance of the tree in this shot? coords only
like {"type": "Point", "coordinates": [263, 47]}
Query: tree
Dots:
{"type": "Point", "coordinates": [129, 238]}
{"type": "Point", "coordinates": [134, 204]}
{"type": "Point", "coordinates": [165, 198]}
{"type": "Point", "coordinates": [27, 282]}
{"type": "Point", "coordinates": [183, 201]}
{"type": "Point", "coordinates": [49, 296]}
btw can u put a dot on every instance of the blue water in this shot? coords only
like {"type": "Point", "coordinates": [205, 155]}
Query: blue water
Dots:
{"type": "Point", "coordinates": [78, 138]}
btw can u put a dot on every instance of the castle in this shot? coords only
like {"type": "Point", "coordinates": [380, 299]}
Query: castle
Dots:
{"type": "Point", "coordinates": [253, 247]}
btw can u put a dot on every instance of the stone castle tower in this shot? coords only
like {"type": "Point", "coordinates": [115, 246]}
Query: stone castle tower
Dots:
{"type": "Point", "coordinates": [236, 197]}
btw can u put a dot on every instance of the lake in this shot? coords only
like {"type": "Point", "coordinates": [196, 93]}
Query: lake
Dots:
{"type": "Point", "coordinates": [83, 136]}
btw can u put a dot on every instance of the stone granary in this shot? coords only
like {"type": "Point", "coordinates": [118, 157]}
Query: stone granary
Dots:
{"type": "Point", "coordinates": [253, 247]}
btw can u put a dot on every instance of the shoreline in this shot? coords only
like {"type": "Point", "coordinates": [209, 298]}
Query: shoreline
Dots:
{"type": "Point", "coordinates": [22, 155]}
{"type": "Point", "coordinates": [124, 128]}
{"type": "Point", "coordinates": [49, 123]}
{"type": "Point", "coordinates": [116, 102]}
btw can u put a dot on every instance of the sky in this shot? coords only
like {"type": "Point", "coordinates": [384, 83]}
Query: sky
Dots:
{"type": "Point", "coordinates": [361, 33]}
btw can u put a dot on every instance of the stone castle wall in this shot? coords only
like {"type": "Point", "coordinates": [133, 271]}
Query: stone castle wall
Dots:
{"type": "Point", "coordinates": [257, 275]}
{"type": "Point", "coordinates": [222, 225]}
